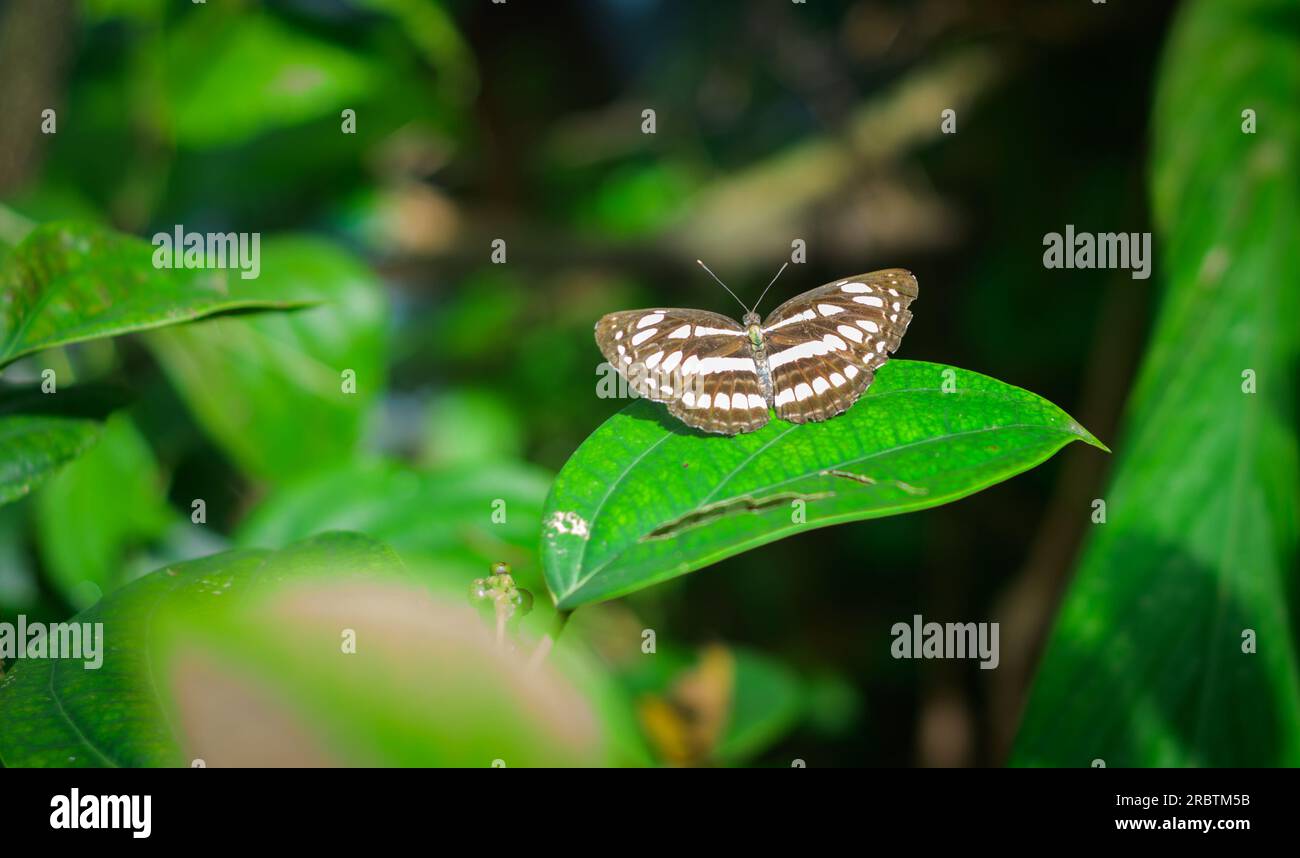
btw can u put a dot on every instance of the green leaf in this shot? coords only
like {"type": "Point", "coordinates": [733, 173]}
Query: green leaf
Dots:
{"type": "Point", "coordinates": [431, 28]}
{"type": "Point", "coordinates": [68, 282]}
{"type": "Point", "coordinates": [645, 499]}
{"type": "Point", "coordinates": [456, 520]}
{"type": "Point", "coordinates": [471, 426]}
{"type": "Point", "coordinates": [18, 587]}
{"type": "Point", "coordinates": [1148, 664]}
{"type": "Point", "coordinates": [766, 704]}
{"type": "Point", "coordinates": [232, 78]}
{"type": "Point", "coordinates": [41, 432]}
{"type": "Point", "coordinates": [270, 389]}
{"type": "Point", "coordinates": [727, 706]}
{"type": "Point", "coordinates": [83, 540]}
{"type": "Point", "coordinates": [239, 659]}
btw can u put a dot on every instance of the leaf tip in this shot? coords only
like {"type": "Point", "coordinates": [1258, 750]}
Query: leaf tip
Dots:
{"type": "Point", "coordinates": [1087, 437]}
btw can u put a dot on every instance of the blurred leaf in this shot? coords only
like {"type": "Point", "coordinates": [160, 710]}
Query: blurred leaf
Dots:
{"type": "Point", "coordinates": [483, 313]}
{"type": "Point", "coordinates": [40, 432]}
{"type": "Point", "coordinates": [18, 588]}
{"type": "Point", "coordinates": [431, 28]}
{"type": "Point", "coordinates": [645, 499]}
{"type": "Point", "coordinates": [270, 389]}
{"type": "Point", "coordinates": [765, 706]}
{"type": "Point", "coordinates": [232, 78]}
{"type": "Point", "coordinates": [1147, 664]}
{"type": "Point", "coordinates": [238, 660]}
{"type": "Point", "coordinates": [471, 426]}
{"type": "Point", "coordinates": [82, 539]}
{"type": "Point", "coordinates": [103, 10]}
{"type": "Point", "coordinates": [728, 707]}
{"type": "Point", "coordinates": [439, 519]}
{"type": "Point", "coordinates": [61, 712]}
{"type": "Point", "coordinates": [68, 282]}
{"type": "Point", "coordinates": [634, 200]}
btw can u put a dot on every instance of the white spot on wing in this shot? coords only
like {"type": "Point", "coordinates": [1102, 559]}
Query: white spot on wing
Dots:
{"type": "Point", "coordinates": [643, 336]}
{"type": "Point", "coordinates": [856, 287]}
{"type": "Point", "coordinates": [820, 384]}
{"type": "Point", "coordinates": [803, 350]}
{"type": "Point", "coordinates": [651, 319]}
{"type": "Point", "coordinates": [681, 333]}
{"type": "Point", "coordinates": [852, 333]}
{"type": "Point", "coordinates": [868, 325]}
{"type": "Point", "coordinates": [722, 402]}
{"type": "Point", "coordinates": [671, 363]}
{"type": "Point", "coordinates": [802, 391]}
{"type": "Point", "coordinates": [805, 316]}
{"type": "Point", "coordinates": [870, 300]}
{"type": "Point", "coordinates": [829, 309]}
{"type": "Point", "coordinates": [711, 365]}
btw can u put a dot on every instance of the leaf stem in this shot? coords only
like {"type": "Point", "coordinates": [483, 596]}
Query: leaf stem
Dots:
{"type": "Point", "coordinates": [547, 643]}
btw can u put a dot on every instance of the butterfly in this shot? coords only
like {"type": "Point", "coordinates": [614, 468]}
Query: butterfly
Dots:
{"type": "Point", "coordinates": [809, 360]}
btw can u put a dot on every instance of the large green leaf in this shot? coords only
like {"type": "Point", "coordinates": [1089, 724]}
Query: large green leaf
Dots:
{"type": "Point", "coordinates": [239, 659]}
{"type": "Point", "coordinates": [270, 389]}
{"type": "Point", "coordinates": [645, 499]}
{"type": "Point", "coordinates": [68, 282]}
{"type": "Point", "coordinates": [82, 539]}
{"type": "Point", "coordinates": [1148, 662]}
{"type": "Point", "coordinates": [41, 432]}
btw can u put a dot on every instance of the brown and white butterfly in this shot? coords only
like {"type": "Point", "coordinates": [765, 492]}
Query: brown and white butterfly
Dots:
{"type": "Point", "coordinates": [809, 360]}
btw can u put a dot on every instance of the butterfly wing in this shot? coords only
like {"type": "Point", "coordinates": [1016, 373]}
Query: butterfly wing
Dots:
{"type": "Point", "coordinates": [825, 345]}
{"type": "Point", "coordinates": [700, 363]}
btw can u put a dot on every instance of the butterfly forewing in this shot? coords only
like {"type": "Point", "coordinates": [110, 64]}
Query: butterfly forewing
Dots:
{"type": "Point", "coordinates": [700, 363]}
{"type": "Point", "coordinates": [824, 346]}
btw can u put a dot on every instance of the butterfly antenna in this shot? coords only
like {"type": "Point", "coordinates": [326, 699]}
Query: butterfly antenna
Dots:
{"type": "Point", "coordinates": [723, 285]}
{"type": "Point", "coordinates": [769, 286]}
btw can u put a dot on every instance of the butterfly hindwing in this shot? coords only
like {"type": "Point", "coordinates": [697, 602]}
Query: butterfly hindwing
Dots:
{"type": "Point", "coordinates": [825, 345]}
{"type": "Point", "coordinates": [700, 363]}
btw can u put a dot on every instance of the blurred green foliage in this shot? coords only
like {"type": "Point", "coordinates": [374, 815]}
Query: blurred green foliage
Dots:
{"type": "Point", "coordinates": [1175, 646]}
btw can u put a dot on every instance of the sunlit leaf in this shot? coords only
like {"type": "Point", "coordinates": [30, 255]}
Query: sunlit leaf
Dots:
{"type": "Point", "coordinates": [645, 499]}
{"type": "Point", "coordinates": [69, 282]}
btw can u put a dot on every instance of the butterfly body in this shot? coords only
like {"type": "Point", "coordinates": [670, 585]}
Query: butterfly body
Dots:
{"type": "Point", "coordinates": [809, 360]}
